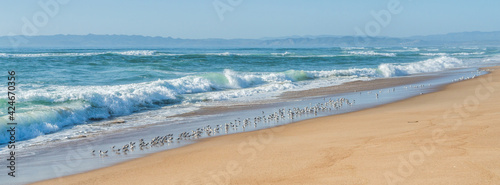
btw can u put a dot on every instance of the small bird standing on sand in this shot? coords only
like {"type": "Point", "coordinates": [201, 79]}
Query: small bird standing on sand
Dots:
{"type": "Point", "coordinates": [103, 153]}
{"type": "Point", "coordinates": [275, 117]}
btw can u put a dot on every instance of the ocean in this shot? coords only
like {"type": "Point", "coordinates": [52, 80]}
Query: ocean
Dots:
{"type": "Point", "coordinates": [67, 93]}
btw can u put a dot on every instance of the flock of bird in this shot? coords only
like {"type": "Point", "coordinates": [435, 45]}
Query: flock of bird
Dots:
{"type": "Point", "coordinates": [476, 74]}
{"type": "Point", "coordinates": [281, 114]}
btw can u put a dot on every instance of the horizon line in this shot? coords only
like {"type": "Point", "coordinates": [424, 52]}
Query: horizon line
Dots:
{"type": "Point", "coordinates": [262, 38]}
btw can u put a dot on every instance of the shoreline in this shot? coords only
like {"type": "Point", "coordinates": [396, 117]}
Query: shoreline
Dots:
{"type": "Point", "coordinates": [84, 145]}
{"type": "Point", "coordinates": [347, 87]}
{"type": "Point", "coordinates": [341, 157]}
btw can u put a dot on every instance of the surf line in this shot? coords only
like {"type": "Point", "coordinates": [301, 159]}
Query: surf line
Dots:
{"type": "Point", "coordinates": [11, 110]}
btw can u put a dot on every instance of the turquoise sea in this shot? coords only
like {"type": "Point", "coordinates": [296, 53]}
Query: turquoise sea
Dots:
{"type": "Point", "coordinates": [62, 93]}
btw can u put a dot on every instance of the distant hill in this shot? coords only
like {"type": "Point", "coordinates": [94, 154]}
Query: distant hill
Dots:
{"type": "Point", "coordinates": [463, 38]}
{"type": "Point", "coordinates": [135, 41]}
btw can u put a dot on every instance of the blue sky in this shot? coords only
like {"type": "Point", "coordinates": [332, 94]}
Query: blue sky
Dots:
{"type": "Point", "coordinates": [246, 18]}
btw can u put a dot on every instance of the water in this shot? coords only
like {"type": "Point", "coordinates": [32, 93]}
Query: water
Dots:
{"type": "Point", "coordinates": [72, 89]}
{"type": "Point", "coordinates": [113, 94]}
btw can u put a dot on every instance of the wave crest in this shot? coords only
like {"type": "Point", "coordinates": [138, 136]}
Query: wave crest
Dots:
{"type": "Point", "coordinates": [60, 106]}
{"type": "Point", "coordinates": [125, 53]}
{"type": "Point", "coordinates": [371, 53]}
{"type": "Point", "coordinates": [426, 66]}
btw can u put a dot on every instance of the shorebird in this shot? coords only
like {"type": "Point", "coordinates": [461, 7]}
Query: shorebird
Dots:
{"type": "Point", "coordinates": [105, 153]}
{"type": "Point", "coordinates": [273, 118]}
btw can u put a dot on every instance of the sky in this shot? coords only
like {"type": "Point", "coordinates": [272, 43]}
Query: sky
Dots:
{"type": "Point", "coordinates": [228, 19]}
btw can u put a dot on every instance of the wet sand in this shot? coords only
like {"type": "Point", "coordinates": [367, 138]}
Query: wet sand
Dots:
{"type": "Point", "coordinates": [348, 87]}
{"type": "Point", "coordinates": [447, 137]}
{"type": "Point", "coordinates": [356, 86]}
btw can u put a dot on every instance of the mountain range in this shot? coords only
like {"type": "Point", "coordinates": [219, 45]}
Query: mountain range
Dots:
{"type": "Point", "coordinates": [137, 41]}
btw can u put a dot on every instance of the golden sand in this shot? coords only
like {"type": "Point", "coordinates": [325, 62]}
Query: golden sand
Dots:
{"type": "Point", "coordinates": [448, 137]}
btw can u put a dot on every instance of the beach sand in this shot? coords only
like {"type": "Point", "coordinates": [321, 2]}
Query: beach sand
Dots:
{"type": "Point", "coordinates": [447, 137]}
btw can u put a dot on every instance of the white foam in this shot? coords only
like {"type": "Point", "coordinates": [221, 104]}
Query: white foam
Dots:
{"type": "Point", "coordinates": [405, 50]}
{"type": "Point", "coordinates": [353, 48]}
{"type": "Point", "coordinates": [413, 49]}
{"type": "Point", "coordinates": [226, 54]}
{"type": "Point", "coordinates": [467, 54]}
{"type": "Point", "coordinates": [136, 53]}
{"type": "Point", "coordinates": [78, 104]}
{"type": "Point", "coordinates": [470, 48]}
{"type": "Point", "coordinates": [126, 53]}
{"type": "Point", "coordinates": [371, 53]}
{"type": "Point", "coordinates": [452, 54]}
{"type": "Point", "coordinates": [286, 53]}
{"type": "Point", "coordinates": [433, 54]}
{"type": "Point", "coordinates": [426, 66]}
{"type": "Point", "coordinates": [31, 55]}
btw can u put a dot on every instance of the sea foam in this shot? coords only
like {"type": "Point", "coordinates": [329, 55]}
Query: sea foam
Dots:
{"type": "Point", "coordinates": [55, 54]}
{"type": "Point", "coordinates": [426, 66]}
{"type": "Point", "coordinates": [371, 53]}
{"type": "Point", "coordinates": [56, 107]}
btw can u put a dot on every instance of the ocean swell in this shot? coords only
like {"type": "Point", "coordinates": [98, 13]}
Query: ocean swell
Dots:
{"type": "Point", "coordinates": [426, 66]}
{"type": "Point", "coordinates": [49, 109]}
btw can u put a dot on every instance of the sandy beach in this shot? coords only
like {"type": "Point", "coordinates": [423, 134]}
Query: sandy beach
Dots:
{"type": "Point", "coordinates": [447, 137]}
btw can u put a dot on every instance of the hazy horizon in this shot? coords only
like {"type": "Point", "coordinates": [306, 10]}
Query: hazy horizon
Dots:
{"type": "Point", "coordinates": [240, 19]}
{"type": "Point", "coordinates": [289, 36]}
